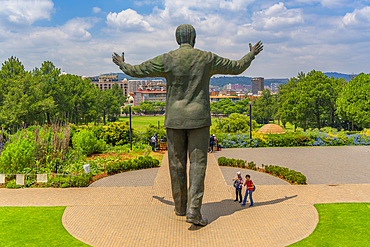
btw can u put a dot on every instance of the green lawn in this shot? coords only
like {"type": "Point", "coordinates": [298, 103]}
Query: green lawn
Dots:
{"type": "Point", "coordinates": [340, 224]}
{"type": "Point", "coordinates": [141, 122]}
{"type": "Point", "coordinates": [34, 226]}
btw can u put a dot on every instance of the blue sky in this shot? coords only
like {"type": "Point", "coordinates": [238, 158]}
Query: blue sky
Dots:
{"type": "Point", "coordinates": [80, 36]}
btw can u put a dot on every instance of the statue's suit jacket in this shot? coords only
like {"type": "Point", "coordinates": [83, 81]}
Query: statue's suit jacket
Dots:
{"type": "Point", "coordinates": [187, 72]}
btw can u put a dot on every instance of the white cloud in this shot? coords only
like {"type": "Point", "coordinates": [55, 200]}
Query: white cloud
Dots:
{"type": "Point", "coordinates": [277, 17]}
{"type": "Point", "coordinates": [128, 20]}
{"type": "Point", "coordinates": [25, 11]}
{"type": "Point", "coordinates": [326, 3]}
{"type": "Point", "coordinates": [358, 18]}
{"type": "Point", "coordinates": [96, 10]}
{"type": "Point", "coordinates": [294, 39]}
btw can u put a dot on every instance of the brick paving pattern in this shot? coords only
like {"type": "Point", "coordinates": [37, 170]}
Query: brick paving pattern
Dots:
{"type": "Point", "coordinates": [143, 216]}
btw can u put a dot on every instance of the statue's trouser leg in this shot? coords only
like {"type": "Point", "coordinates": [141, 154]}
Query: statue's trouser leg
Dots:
{"type": "Point", "coordinates": [177, 144]}
{"type": "Point", "coordinates": [198, 140]}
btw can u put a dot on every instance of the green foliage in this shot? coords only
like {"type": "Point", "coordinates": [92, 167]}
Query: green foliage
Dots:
{"type": "Point", "coordinates": [354, 101]}
{"type": "Point", "coordinates": [140, 162]}
{"type": "Point", "coordinates": [86, 141]}
{"type": "Point", "coordinates": [18, 154]}
{"type": "Point", "coordinates": [82, 180]}
{"type": "Point", "coordinates": [146, 136]}
{"type": "Point", "coordinates": [309, 100]}
{"type": "Point", "coordinates": [284, 173]}
{"type": "Point", "coordinates": [265, 107]}
{"type": "Point", "coordinates": [235, 123]}
{"type": "Point", "coordinates": [117, 133]}
{"type": "Point", "coordinates": [12, 185]}
{"type": "Point", "coordinates": [281, 172]}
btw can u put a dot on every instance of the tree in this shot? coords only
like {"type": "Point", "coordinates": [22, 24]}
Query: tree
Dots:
{"type": "Point", "coordinates": [308, 99]}
{"type": "Point", "coordinates": [146, 107]}
{"type": "Point", "coordinates": [354, 101]}
{"type": "Point", "coordinates": [48, 76]}
{"type": "Point", "coordinates": [236, 123]}
{"type": "Point", "coordinates": [264, 107]}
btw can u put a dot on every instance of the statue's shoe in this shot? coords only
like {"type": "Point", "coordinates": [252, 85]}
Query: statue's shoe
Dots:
{"type": "Point", "coordinates": [180, 213]}
{"type": "Point", "coordinates": [201, 222]}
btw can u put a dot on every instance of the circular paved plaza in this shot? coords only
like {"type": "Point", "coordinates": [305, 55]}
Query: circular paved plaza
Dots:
{"type": "Point", "coordinates": [120, 211]}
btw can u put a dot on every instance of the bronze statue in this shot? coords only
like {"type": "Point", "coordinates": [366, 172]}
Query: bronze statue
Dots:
{"type": "Point", "coordinates": [188, 71]}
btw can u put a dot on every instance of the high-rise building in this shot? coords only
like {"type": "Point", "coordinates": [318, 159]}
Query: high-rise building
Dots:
{"type": "Point", "coordinates": [257, 84]}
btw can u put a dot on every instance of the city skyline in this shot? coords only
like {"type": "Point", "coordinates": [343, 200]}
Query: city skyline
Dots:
{"type": "Point", "coordinates": [80, 36]}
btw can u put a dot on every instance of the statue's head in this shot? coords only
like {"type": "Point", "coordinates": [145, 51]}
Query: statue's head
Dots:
{"type": "Point", "coordinates": [185, 34]}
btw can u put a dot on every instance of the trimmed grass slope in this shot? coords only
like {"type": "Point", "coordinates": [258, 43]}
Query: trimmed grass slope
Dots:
{"type": "Point", "coordinates": [34, 226]}
{"type": "Point", "coordinates": [340, 224]}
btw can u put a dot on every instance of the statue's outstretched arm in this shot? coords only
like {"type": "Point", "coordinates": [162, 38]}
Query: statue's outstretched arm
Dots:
{"type": "Point", "coordinates": [257, 48]}
{"type": "Point", "coordinates": [226, 66]}
{"type": "Point", "coordinates": [151, 68]}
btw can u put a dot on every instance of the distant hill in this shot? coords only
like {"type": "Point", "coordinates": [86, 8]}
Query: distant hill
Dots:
{"type": "Point", "coordinates": [122, 76]}
{"type": "Point", "coordinates": [242, 80]}
{"type": "Point", "coordinates": [346, 77]}
{"type": "Point", "coordinates": [224, 80]}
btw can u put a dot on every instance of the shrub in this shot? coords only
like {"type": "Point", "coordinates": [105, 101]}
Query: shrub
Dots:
{"type": "Point", "coordinates": [281, 172]}
{"type": "Point", "coordinates": [140, 162]}
{"type": "Point", "coordinates": [12, 185]}
{"type": "Point", "coordinates": [18, 154]}
{"type": "Point", "coordinates": [86, 141]}
{"type": "Point", "coordinates": [117, 133]}
{"type": "Point", "coordinates": [146, 136]}
{"type": "Point", "coordinates": [81, 180]}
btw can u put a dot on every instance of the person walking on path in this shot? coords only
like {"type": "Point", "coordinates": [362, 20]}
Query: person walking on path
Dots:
{"type": "Point", "coordinates": [249, 190]}
{"type": "Point", "coordinates": [154, 141]}
{"type": "Point", "coordinates": [211, 143]}
{"type": "Point", "coordinates": [238, 184]}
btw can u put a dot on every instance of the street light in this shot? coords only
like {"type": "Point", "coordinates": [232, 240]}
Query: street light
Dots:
{"type": "Point", "coordinates": [250, 124]}
{"type": "Point", "coordinates": [129, 105]}
{"type": "Point", "coordinates": [340, 124]}
{"type": "Point", "coordinates": [220, 123]}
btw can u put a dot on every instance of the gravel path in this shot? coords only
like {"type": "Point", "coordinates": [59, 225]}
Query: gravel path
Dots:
{"type": "Point", "coordinates": [321, 165]}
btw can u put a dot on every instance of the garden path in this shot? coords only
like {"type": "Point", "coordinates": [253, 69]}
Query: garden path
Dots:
{"type": "Point", "coordinates": [143, 216]}
{"type": "Point", "coordinates": [321, 165]}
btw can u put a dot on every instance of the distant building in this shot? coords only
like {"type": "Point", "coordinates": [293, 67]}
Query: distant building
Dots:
{"type": "Point", "coordinates": [134, 85]}
{"type": "Point", "coordinates": [257, 84]}
{"type": "Point", "coordinates": [274, 87]}
{"type": "Point", "coordinates": [152, 96]}
{"type": "Point", "coordinates": [105, 82]}
{"type": "Point", "coordinates": [217, 96]}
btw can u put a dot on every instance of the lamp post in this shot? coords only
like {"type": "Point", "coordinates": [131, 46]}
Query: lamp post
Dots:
{"type": "Point", "coordinates": [129, 105]}
{"type": "Point", "coordinates": [220, 123]}
{"type": "Point", "coordinates": [250, 124]}
{"type": "Point", "coordinates": [228, 130]}
{"type": "Point", "coordinates": [340, 124]}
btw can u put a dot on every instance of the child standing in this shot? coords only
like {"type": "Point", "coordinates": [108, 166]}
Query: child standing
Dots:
{"type": "Point", "coordinates": [238, 184]}
{"type": "Point", "coordinates": [249, 190]}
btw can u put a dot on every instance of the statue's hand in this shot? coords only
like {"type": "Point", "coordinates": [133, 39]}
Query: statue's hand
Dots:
{"type": "Point", "coordinates": [117, 59]}
{"type": "Point", "coordinates": [257, 48]}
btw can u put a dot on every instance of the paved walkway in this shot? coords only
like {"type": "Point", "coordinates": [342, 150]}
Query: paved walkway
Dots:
{"type": "Point", "coordinates": [321, 165]}
{"type": "Point", "coordinates": [143, 216]}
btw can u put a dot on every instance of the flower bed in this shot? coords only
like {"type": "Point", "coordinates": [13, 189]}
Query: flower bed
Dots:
{"type": "Point", "coordinates": [295, 139]}
{"type": "Point", "coordinates": [284, 173]}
